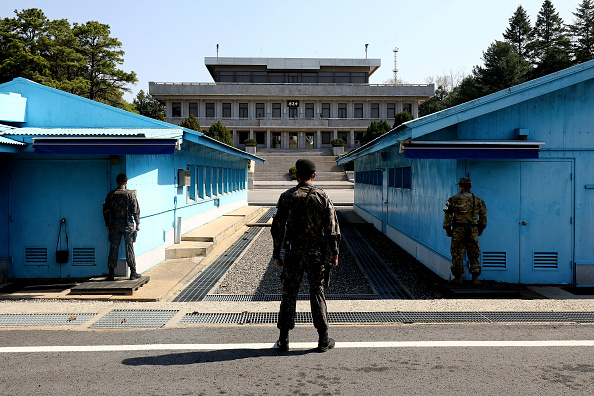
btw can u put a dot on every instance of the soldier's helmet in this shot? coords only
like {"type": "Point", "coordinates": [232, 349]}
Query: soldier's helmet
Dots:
{"type": "Point", "coordinates": [464, 181]}
{"type": "Point", "coordinates": [121, 179]}
{"type": "Point", "coordinates": [305, 168]}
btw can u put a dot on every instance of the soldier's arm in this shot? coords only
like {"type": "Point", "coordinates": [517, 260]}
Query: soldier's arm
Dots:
{"type": "Point", "coordinates": [107, 210]}
{"type": "Point", "coordinates": [135, 210]}
{"type": "Point", "coordinates": [332, 230]}
{"type": "Point", "coordinates": [277, 230]}
{"type": "Point", "coordinates": [482, 220]}
{"type": "Point", "coordinates": [447, 218]}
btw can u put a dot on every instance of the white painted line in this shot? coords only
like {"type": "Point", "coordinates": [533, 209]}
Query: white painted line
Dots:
{"type": "Point", "coordinates": [297, 345]}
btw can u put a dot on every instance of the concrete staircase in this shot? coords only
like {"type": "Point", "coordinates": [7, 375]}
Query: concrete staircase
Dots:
{"type": "Point", "coordinates": [274, 173]}
{"type": "Point", "coordinates": [202, 240]}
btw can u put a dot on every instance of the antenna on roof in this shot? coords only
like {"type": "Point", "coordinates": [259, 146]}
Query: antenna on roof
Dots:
{"type": "Point", "coordinates": [395, 64]}
{"type": "Point", "coordinates": [217, 50]}
{"type": "Point", "coordinates": [366, 45]}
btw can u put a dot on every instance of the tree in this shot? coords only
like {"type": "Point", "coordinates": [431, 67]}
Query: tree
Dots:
{"type": "Point", "coordinates": [519, 32]}
{"type": "Point", "coordinates": [582, 32]}
{"type": "Point", "coordinates": [220, 132]}
{"type": "Point", "coordinates": [102, 53]}
{"type": "Point", "coordinates": [550, 46]}
{"type": "Point", "coordinates": [192, 123]}
{"type": "Point", "coordinates": [401, 118]}
{"type": "Point", "coordinates": [148, 106]}
{"type": "Point", "coordinates": [374, 130]}
{"type": "Point", "coordinates": [503, 68]}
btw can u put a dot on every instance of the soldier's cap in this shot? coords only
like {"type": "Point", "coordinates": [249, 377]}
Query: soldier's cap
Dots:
{"type": "Point", "coordinates": [121, 178]}
{"type": "Point", "coordinates": [464, 181]}
{"type": "Point", "coordinates": [305, 167]}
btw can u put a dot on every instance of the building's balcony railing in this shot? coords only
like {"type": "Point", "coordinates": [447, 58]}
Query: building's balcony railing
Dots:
{"type": "Point", "coordinates": [279, 123]}
{"type": "Point", "coordinates": [291, 90]}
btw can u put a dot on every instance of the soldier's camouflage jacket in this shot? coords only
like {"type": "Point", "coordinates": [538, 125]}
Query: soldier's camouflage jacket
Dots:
{"type": "Point", "coordinates": [121, 210]}
{"type": "Point", "coordinates": [310, 228]}
{"type": "Point", "coordinates": [465, 209]}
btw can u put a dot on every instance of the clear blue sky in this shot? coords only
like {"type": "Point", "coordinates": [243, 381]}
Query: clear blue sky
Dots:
{"type": "Point", "coordinates": [168, 40]}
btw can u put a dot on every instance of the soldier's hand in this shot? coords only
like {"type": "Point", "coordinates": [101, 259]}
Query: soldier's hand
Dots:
{"type": "Point", "coordinates": [449, 234]}
{"type": "Point", "coordinates": [107, 228]}
{"type": "Point", "coordinates": [137, 227]}
{"type": "Point", "coordinates": [278, 263]}
{"type": "Point", "coordinates": [334, 261]}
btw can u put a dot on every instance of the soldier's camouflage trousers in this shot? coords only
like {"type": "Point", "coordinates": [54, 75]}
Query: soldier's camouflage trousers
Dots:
{"type": "Point", "coordinates": [465, 240]}
{"type": "Point", "coordinates": [294, 267]}
{"type": "Point", "coordinates": [115, 238]}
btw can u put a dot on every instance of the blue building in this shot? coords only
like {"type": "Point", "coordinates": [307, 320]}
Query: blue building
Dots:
{"type": "Point", "coordinates": [59, 156]}
{"type": "Point", "coordinates": [530, 153]}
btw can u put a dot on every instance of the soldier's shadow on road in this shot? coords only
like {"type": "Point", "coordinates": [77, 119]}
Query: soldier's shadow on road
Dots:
{"type": "Point", "coordinates": [178, 359]}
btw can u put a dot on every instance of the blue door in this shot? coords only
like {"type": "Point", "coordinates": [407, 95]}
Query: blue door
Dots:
{"type": "Point", "coordinates": [41, 194]}
{"type": "Point", "coordinates": [529, 236]}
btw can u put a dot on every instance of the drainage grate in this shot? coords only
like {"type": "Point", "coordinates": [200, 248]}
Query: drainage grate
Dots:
{"type": "Point", "coordinates": [384, 281]}
{"type": "Point", "coordinates": [277, 297]}
{"type": "Point", "coordinates": [44, 319]}
{"type": "Point", "coordinates": [395, 317]}
{"type": "Point", "coordinates": [444, 317]}
{"type": "Point", "coordinates": [207, 279]}
{"type": "Point", "coordinates": [117, 319]}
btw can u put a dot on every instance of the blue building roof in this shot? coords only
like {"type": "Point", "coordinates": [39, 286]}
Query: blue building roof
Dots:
{"type": "Point", "coordinates": [428, 124]}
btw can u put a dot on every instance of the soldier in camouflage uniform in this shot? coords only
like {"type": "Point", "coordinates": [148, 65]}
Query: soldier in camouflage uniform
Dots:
{"type": "Point", "coordinates": [464, 221]}
{"type": "Point", "coordinates": [120, 211]}
{"type": "Point", "coordinates": [305, 224]}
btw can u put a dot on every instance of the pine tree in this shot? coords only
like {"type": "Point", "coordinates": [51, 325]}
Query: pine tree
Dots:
{"type": "Point", "coordinates": [374, 130]}
{"type": "Point", "coordinates": [582, 32]}
{"type": "Point", "coordinates": [148, 106]}
{"type": "Point", "coordinates": [551, 45]}
{"type": "Point", "coordinates": [503, 68]}
{"type": "Point", "coordinates": [519, 32]}
{"type": "Point", "coordinates": [220, 132]}
{"type": "Point", "coordinates": [191, 123]}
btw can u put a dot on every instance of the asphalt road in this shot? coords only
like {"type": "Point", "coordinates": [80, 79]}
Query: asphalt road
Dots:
{"type": "Point", "coordinates": [187, 364]}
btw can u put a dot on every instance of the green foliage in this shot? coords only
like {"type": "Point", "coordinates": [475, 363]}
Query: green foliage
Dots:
{"type": "Point", "coordinates": [220, 132]}
{"type": "Point", "coordinates": [582, 31]}
{"type": "Point", "coordinates": [338, 143]}
{"type": "Point", "coordinates": [148, 106]}
{"type": "Point", "coordinates": [519, 32]}
{"type": "Point", "coordinates": [80, 59]}
{"type": "Point", "coordinates": [191, 123]}
{"type": "Point", "coordinates": [401, 118]}
{"type": "Point", "coordinates": [293, 173]}
{"type": "Point", "coordinates": [503, 68]}
{"type": "Point", "coordinates": [250, 142]}
{"type": "Point", "coordinates": [551, 45]}
{"type": "Point", "coordinates": [374, 130]}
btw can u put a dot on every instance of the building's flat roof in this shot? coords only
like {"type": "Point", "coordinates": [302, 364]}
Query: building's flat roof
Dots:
{"type": "Point", "coordinates": [293, 63]}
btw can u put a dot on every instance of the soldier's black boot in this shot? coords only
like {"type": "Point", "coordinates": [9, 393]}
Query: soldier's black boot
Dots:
{"type": "Point", "coordinates": [134, 274]}
{"type": "Point", "coordinates": [111, 275]}
{"type": "Point", "coordinates": [325, 343]}
{"type": "Point", "coordinates": [283, 340]}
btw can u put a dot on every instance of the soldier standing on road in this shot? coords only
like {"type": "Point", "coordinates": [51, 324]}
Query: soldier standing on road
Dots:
{"type": "Point", "coordinates": [464, 221]}
{"type": "Point", "coordinates": [120, 211]}
{"type": "Point", "coordinates": [305, 223]}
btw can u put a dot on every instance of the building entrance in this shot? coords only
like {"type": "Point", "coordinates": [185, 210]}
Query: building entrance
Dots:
{"type": "Point", "coordinates": [275, 140]}
{"type": "Point", "coordinates": [293, 140]}
{"type": "Point", "coordinates": [309, 140]}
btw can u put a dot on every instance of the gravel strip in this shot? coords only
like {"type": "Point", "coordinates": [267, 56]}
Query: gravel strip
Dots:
{"type": "Point", "coordinates": [255, 273]}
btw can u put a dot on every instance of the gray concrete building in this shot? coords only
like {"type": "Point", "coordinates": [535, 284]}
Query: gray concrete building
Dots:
{"type": "Point", "coordinates": [290, 103]}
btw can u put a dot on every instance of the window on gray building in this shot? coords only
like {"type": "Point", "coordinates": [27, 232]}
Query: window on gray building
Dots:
{"type": "Point", "coordinates": [242, 136]}
{"type": "Point", "coordinates": [259, 77]}
{"type": "Point", "coordinates": [375, 110]}
{"type": "Point", "coordinates": [227, 110]}
{"type": "Point", "coordinates": [193, 109]}
{"type": "Point", "coordinates": [260, 110]}
{"type": "Point", "coordinates": [210, 110]}
{"type": "Point", "coordinates": [309, 110]}
{"type": "Point", "coordinates": [276, 110]}
{"type": "Point", "coordinates": [293, 112]}
{"type": "Point", "coordinates": [243, 110]}
{"type": "Point", "coordinates": [326, 137]}
{"type": "Point", "coordinates": [407, 107]}
{"type": "Point", "coordinates": [391, 107]}
{"type": "Point", "coordinates": [309, 78]}
{"type": "Point", "coordinates": [358, 110]}
{"type": "Point", "coordinates": [343, 136]}
{"type": "Point", "coordinates": [342, 110]}
{"type": "Point", "coordinates": [176, 109]}
{"type": "Point", "coordinates": [326, 110]}
{"type": "Point", "coordinates": [261, 137]}
{"type": "Point", "coordinates": [243, 77]}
